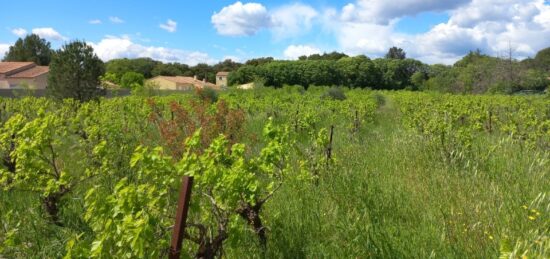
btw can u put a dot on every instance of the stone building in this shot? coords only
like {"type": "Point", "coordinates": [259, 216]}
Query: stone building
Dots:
{"type": "Point", "coordinates": [17, 75]}
{"type": "Point", "coordinates": [221, 79]}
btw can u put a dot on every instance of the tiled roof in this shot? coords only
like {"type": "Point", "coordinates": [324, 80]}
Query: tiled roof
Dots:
{"type": "Point", "coordinates": [6, 67]}
{"type": "Point", "coordinates": [222, 73]}
{"type": "Point", "coordinates": [187, 80]}
{"type": "Point", "coordinates": [32, 72]}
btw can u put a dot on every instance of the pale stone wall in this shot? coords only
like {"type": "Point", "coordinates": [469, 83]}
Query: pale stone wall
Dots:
{"type": "Point", "coordinates": [4, 84]}
{"type": "Point", "coordinates": [221, 81]}
{"type": "Point", "coordinates": [39, 82]}
{"type": "Point", "coordinates": [164, 84]}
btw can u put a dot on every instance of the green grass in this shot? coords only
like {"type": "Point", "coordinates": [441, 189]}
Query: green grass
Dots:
{"type": "Point", "coordinates": [391, 194]}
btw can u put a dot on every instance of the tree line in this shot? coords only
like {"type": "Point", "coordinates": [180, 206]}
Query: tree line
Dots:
{"type": "Point", "coordinates": [474, 73]}
{"type": "Point", "coordinates": [76, 72]}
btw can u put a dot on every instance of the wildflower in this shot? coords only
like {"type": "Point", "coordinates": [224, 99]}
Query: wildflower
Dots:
{"type": "Point", "coordinates": [524, 207]}
{"type": "Point", "coordinates": [491, 237]}
{"type": "Point", "coordinates": [532, 218]}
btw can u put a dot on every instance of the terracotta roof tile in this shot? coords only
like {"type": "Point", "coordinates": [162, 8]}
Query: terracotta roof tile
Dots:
{"type": "Point", "coordinates": [6, 67]}
{"type": "Point", "coordinates": [32, 72]}
{"type": "Point", "coordinates": [222, 73]}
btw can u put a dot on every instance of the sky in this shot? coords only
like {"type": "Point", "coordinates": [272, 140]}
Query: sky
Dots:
{"type": "Point", "coordinates": [209, 31]}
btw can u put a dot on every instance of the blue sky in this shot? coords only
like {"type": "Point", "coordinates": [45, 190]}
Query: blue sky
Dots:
{"type": "Point", "coordinates": [435, 31]}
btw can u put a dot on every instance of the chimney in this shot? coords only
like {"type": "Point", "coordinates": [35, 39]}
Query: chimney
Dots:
{"type": "Point", "coordinates": [195, 77]}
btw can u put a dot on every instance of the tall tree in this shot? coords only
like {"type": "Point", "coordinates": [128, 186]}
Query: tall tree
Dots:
{"type": "Point", "coordinates": [396, 53]}
{"type": "Point", "coordinates": [542, 60]}
{"type": "Point", "coordinates": [74, 72]}
{"type": "Point", "coordinates": [132, 80]}
{"type": "Point", "coordinates": [30, 49]}
{"type": "Point", "coordinates": [144, 66]}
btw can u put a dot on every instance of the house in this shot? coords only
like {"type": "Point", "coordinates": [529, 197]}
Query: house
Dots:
{"type": "Point", "coordinates": [180, 83]}
{"type": "Point", "coordinates": [17, 75]}
{"type": "Point", "coordinates": [221, 79]}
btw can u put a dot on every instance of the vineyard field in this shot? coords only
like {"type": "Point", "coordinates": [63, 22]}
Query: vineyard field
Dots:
{"type": "Point", "coordinates": [278, 173]}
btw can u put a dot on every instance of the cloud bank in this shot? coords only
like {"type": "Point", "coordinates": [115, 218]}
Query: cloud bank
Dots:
{"type": "Point", "coordinates": [369, 26]}
{"type": "Point", "coordinates": [49, 34]}
{"type": "Point", "coordinates": [295, 51]}
{"type": "Point", "coordinates": [123, 47]}
{"type": "Point", "coordinates": [3, 49]}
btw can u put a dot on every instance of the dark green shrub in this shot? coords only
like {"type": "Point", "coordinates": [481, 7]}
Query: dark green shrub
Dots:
{"type": "Point", "coordinates": [334, 93]}
{"type": "Point", "coordinates": [207, 94]}
{"type": "Point", "coordinates": [380, 99]}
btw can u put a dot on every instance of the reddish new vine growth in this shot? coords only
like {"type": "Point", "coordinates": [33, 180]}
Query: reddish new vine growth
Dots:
{"type": "Point", "coordinates": [181, 122]}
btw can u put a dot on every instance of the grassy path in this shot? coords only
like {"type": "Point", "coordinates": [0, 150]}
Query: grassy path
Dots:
{"type": "Point", "coordinates": [392, 196]}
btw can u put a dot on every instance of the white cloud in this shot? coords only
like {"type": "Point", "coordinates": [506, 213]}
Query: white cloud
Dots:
{"type": "Point", "coordinates": [48, 33]}
{"type": "Point", "coordinates": [95, 21]}
{"type": "Point", "coordinates": [169, 26]}
{"type": "Point", "coordinates": [292, 20]}
{"type": "Point", "coordinates": [3, 49]}
{"type": "Point", "coordinates": [20, 32]}
{"type": "Point", "coordinates": [248, 19]}
{"type": "Point", "coordinates": [383, 11]}
{"type": "Point", "coordinates": [493, 26]}
{"type": "Point", "coordinates": [241, 19]}
{"type": "Point", "coordinates": [489, 25]}
{"type": "Point", "coordinates": [295, 51]}
{"type": "Point", "coordinates": [122, 47]}
{"type": "Point", "coordinates": [115, 19]}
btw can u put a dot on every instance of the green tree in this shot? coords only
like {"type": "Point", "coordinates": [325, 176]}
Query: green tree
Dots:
{"type": "Point", "coordinates": [243, 75]}
{"type": "Point", "coordinates": [111, 78]}
{"type": "Point", "coordinates": [227, 65]}
{"type": "Point", "coordinates": [204, 71]}
{"type": "Point", "coordinates": [259, 61]}
{"type": "Point", "coordinates": [132, 80]}
{"type": "Point", "coordinates": [542, 60]}
{"type": "Point", "coordinates": [533, 79]}
{"type": "Point", "coordinates": [30, 49]}
{"type": "Point", "coordinates": [74, 73]}
{"type": "Point", "coordinates": [167, 70]}
{"type": "Point", "coordinates": [357, 72]}
{"type": "Point", "coordinates": [396, 53]}
{"type": "Point", "coordinates": [418, 79]}
{"type": "Point", "coordinates": [396, 73]}
{"type": "Point", "coordinates": [144, 66]}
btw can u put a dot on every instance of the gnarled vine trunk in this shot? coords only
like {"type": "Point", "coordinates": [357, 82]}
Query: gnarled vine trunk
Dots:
{"type": "Point", "coordinates": [252, 216]}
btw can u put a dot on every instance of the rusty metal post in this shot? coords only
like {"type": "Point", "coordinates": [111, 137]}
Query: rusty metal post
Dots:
{"type": "Point", "coordinates": [181, 217]}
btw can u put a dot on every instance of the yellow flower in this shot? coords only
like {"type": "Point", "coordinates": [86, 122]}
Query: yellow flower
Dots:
{"type": "Point", "coordinates": [532, 218]}
{"type": "Point", "coordinates": [524, 206]}
{"type": "Point", "coordinates": [491, 237]}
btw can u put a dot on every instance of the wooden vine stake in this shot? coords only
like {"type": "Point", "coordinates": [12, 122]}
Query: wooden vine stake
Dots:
{"type": "Point", "coordinates": [181, 217]}
{"type": "Point", "coordinates": [356, 123]}
{"type": "Point", "coordinates": [329, 148]}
